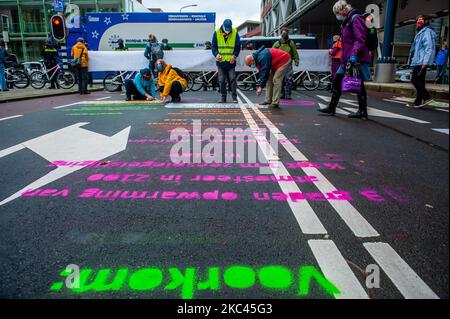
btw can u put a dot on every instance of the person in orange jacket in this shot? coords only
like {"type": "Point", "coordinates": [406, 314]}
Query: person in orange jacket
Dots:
{"type": "Point", "coordinates": [79, 50]}
{"type": "Point", "coordinates": [335, 54]}
{"type": "Point", "coordinates": [171, 81]}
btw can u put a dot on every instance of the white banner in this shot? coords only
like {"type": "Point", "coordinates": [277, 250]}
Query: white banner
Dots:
{"type": "Point", "coordinates": [194, 60]}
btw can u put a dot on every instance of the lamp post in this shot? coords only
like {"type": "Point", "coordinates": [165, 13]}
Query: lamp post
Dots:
{"type": "Point", "coordinates": [191, 5]}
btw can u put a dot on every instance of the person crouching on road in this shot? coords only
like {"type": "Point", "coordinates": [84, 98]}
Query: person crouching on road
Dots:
{"type": "Point", "coordinates": [355, 52]}
{"type": "Point", "coordinates": [273, 65]}
{"type": "Point", "coordinates": [170, 82]}
{"type": "Point", "coordinates": [142, 87]}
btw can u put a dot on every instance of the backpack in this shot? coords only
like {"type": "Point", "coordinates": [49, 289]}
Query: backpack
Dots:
{"type": "Point", "coordinates": [181, 73]}
{"type": "Point", "coordinates": [372, 33]}
{"type": "Point", "coordinates": [157, 52]}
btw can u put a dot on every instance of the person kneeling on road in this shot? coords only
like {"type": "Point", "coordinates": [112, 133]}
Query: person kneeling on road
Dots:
{"type": "Point", "coordinates": [272, 65]}
{"type": "Point", "coordinates": [170, 81]}
{"type": "Point", "coordinates": [142, 87]}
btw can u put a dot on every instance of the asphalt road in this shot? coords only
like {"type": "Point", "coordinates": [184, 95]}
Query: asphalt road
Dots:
{"type": "Point", "coordinates": [208, 230]}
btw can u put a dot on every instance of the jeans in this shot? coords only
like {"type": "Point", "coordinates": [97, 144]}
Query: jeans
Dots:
{"type": "Point", "coordinates": [288, 82]}
{"type": "Point", "coordinates": [82, 79]}
{"type": "Point", "coordinates": [441, 72]}
{"type": "Point", "coordinates": [275, 83]}
{"type": "Point", "coordinates": [3, 85]}
{"type": "Point", "coordinates": [418, 79]}
{"type": "Point", "coordinates": [231, 76]}
{"type": "Point", "coordinates": [131, 90]}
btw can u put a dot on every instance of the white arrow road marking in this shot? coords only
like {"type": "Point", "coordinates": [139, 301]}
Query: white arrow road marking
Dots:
{"type": "Point", "coordinates": [404, 278]}
{"type": "Point", "coordinates": [72, 144]}
{"type": "Point", "coordinates": [441, 130]}
{"type": "Point", "coordinates": [337, 270]}
{"type": "Point", "coordinates": [351, 216]}
{"type": "Point", "coordinates": [306, 217]}
{"type": "Point", "coordinates": [375, 112]}
{"type": "Point", "coordinates": [10, 117]}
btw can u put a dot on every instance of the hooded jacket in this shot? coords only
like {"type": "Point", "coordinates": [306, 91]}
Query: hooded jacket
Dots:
{"type": "Point", "coordinates": [354, 37]}
{"type": "Point", "coordinates": [76, 53]}
{"type": "Point", "coordinates": [167, 77]}
{"type": "Point", "coordinates": [144, 86]}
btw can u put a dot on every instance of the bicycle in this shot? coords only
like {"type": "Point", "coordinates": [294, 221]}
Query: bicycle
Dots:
{"type": "Point", "coordinates": [325, 81]}
{"type": "Point", "coordinates": [113, 81]}
{"type": "Point", "coordinates": [64, 79]}
{"type": "Point", "coordinates": [203, 79]}
{"type": "Point", "coordinates": [246, 81]}
{"type": "Point", "coordinates": [16, 78]}
{"type": "Point", "coordinates": [310, 81]}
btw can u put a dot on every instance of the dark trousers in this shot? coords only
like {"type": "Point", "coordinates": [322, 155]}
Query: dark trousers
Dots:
{"type": "Point", "coordinates": [288, 82]}
{"type": "Point", "coordinates": [418, 79]}
{"type": "Point", "coordinates": [441, 71]}
{"type": "Point", "coordinates": [131, 90]}
{"type": "Point", "coordinates": [82, 79]}
{"type": "Point", "coordinates": [175, 91]}
{"type": "Point", "coordinates": [337, 92]}
{"type": "Point", "coordinates": [229, 75]}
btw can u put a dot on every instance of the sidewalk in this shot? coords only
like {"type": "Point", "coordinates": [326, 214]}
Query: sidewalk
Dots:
{"type": "Point", "coordinates": [31, 93]}
{"type": "Point", "coordinates": [437, 91]}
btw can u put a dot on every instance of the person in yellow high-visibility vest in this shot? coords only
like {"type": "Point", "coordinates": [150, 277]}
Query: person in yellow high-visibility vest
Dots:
{"type": "Point", "coordinates": [226, 46]}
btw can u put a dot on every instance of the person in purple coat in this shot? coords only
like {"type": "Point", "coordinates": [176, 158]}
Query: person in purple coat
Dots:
{"type": "Point", "coordinates": [355, 52]}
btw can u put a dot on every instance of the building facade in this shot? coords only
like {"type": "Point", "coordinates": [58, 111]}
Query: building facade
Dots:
{"type": "Point", "coordinates": [315, 17]}
{"type": "Point", "coordinates": [249, 29]}
{"type": "Point", "coordinates": [27, 25]}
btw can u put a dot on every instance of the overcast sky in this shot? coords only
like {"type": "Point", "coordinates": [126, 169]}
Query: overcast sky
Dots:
{"type": "Point", "coordinates": [237, 10]}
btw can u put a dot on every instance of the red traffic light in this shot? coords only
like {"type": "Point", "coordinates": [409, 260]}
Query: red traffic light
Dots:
{"type": "Point", "coordinates": [58, 28]}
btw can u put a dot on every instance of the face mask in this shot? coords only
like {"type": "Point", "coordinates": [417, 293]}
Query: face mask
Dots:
{"type": "Point", "coordinates": [253, 66]}
{"type": "Point", "coordinates": [340, 17]}
{"type": "Point", "coordinates": [420, 25]}
{"type": "Point", "coordinates": [160, 68]}
{"type": "Point", "coordinates": [285, 36]}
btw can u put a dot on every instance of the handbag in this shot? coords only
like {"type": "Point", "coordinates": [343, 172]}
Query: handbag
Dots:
{"type": "Point", "coordinates": [352, 82]}
{"type": "Point", "coordinates": [77, 61]}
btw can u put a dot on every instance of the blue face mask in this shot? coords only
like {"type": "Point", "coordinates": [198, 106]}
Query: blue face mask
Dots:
{"type": "Point", "coordinates": [160, 68]}
{"type": "Point", "coordinates": [253, 66]}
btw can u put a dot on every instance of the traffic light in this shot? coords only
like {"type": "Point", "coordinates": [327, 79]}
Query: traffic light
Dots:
{"type": "Point", "coordinates": [58, 27]}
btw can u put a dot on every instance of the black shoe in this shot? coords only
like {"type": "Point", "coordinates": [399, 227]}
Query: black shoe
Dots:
{"type": "Point", "coordinates": [329, 110]}
{"type": "Point", "coordinates": [288, 98]}
{"type": "Point", "coordinates": [176, 100]}
{"type": "Point", "coordinates": [265, 103]}
{"type": "Point", "coordinates": [274, 106]}
{"type": "Point", "coordinates": [86, 93]}
{"type": "Point", "coordinates": [358, 115]}
{"type": "Point", "coordinates": [222, 101]}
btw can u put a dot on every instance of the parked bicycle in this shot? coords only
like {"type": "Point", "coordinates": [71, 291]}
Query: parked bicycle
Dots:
{"type": "Point", "coordinates": [325, 81]}
{"type": "Point", "coordinates": [246, 81]}
{"type": "Point", "coordinates": [16, 78]}
{"type": "Point", "coordinates": [203, 80]}
{"type": "Point", "coordinates": [310, 81]}
{"type": "Point", "coordinates": [64, 78]}
{"type": "Point", "coordinates": [114, 81]}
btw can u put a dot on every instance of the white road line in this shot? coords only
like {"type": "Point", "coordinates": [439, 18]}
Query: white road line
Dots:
{"type": "Point", "coordinates": [434, 108]}
{"type": "Point", "coordinates": [337, 270]}
{"type": "Point", "coordinates": [11, 150]}
{"type": "Point", "coordinates": [66, 105]}
{"type": "Point", "coordinates": [306, 217]}
{"type": "Point", "coordinates": [375, 112]}
{"type": "Point", "coordinates": [349, 214]}
{"type": "Point", "coordinates": [103, 98]}
{"type": "Point", "coordinates": [441, 130]}
{"type": "Point", "coordinates": [10, 117]}
{"type": "Point", "coordinates": [395, 101]}
{"type": "Point", "coordinates": [404, 278]}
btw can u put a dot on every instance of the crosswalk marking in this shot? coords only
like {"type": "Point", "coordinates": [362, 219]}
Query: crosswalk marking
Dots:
{"type": "Point", "coordinates": [404, 278]}
{"type": "Point", "coordinates": [337, 270]}
{"type": "Point", "coordinates": [306, 217]}
{"type": "Point", "coordinates": [349, 214]}
{"type": "Point", "coordinates": [441, 130]}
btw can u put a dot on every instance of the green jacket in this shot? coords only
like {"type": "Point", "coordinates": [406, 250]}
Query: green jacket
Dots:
{"type": "Point", "coordinates": [288, 47]}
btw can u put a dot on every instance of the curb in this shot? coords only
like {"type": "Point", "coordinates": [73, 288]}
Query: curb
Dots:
{"type": "Point", "coordinates": [435, 94]}
{"type": "Point", "coordinates": [30, 97]}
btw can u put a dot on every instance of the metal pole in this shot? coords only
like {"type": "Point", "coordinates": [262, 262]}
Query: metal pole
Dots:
{"type": "Point", "coordinates": [389, 28]}
{"type": "Point", "coordinates": [21, 28]}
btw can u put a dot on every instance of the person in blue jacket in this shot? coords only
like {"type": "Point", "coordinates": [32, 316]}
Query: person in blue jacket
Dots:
{"type": "Point", "coordinates": [441, 63]}
{"type": "Point", "coordinates": [142, 87]}
{"type": "Point", "coordinates": [3, 59]}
